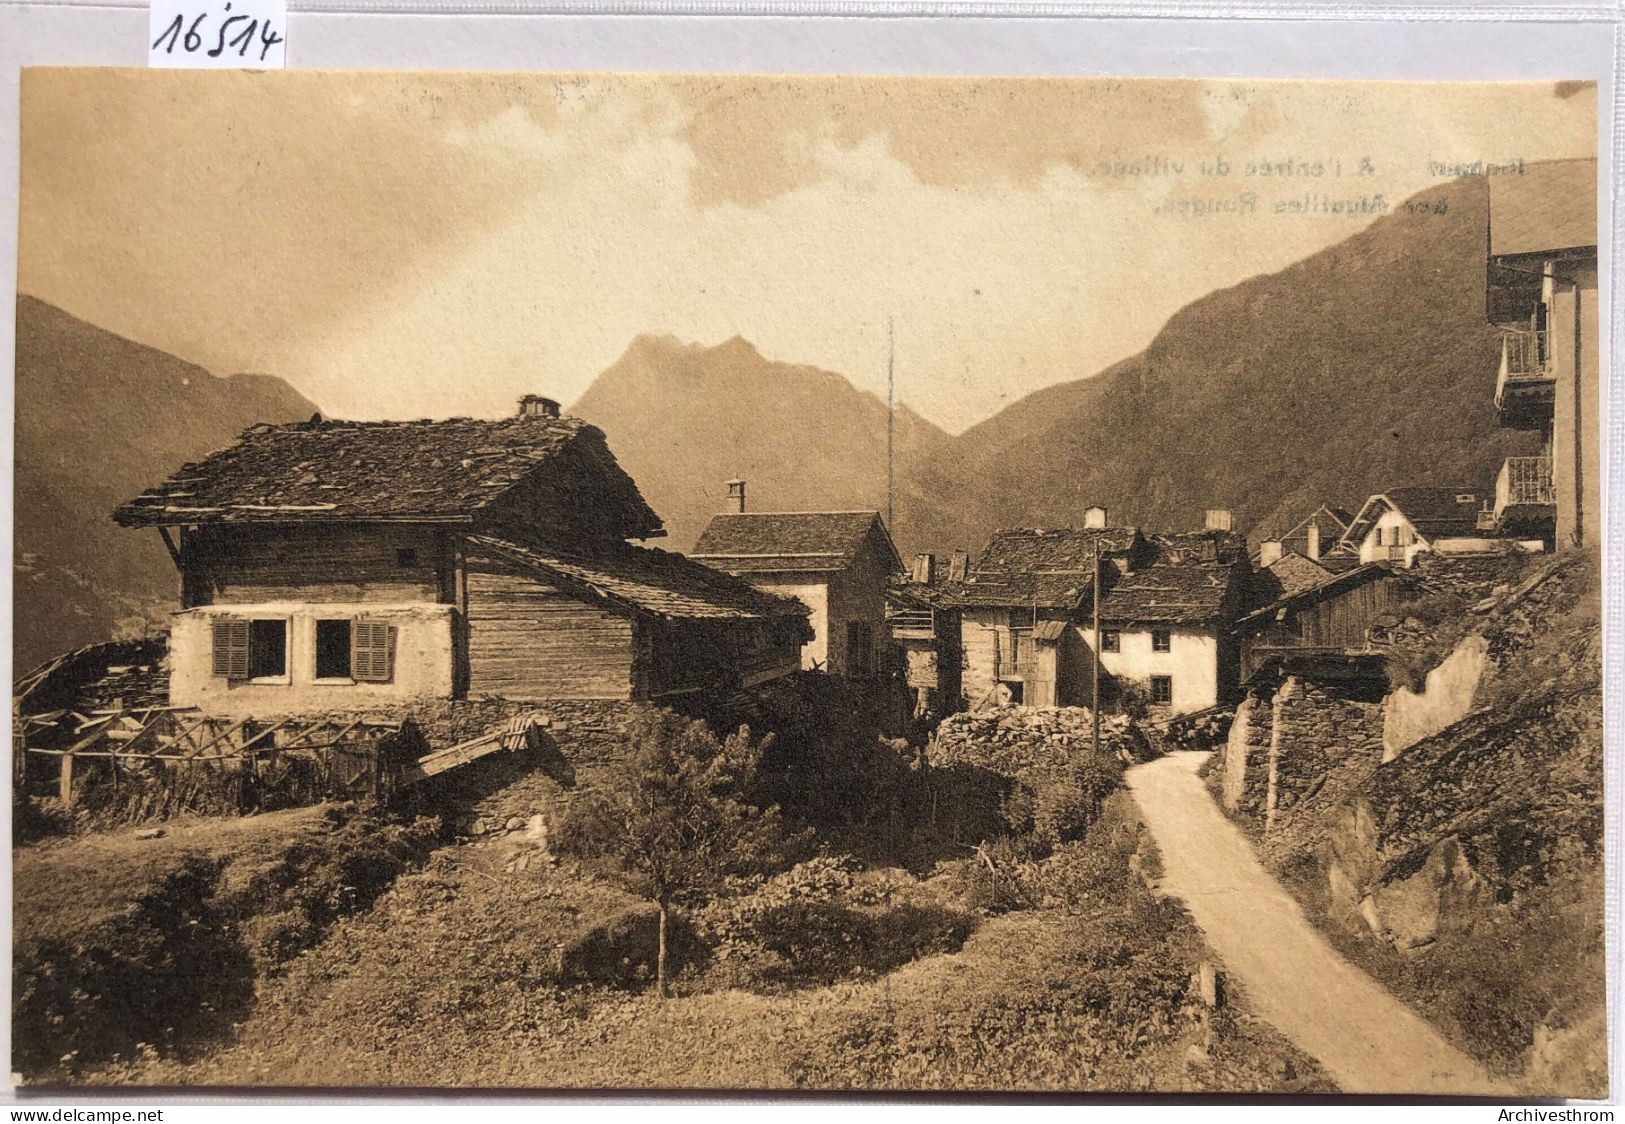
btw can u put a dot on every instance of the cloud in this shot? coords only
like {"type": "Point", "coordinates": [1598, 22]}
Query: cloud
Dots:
{"type": "Point", "coordinates": [405, 245]}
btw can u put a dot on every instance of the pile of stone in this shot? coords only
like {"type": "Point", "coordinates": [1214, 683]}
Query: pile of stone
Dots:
{"type": "Point", "coordinates": [1018, 739]}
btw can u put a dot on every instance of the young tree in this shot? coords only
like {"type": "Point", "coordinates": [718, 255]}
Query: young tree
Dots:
{"type": "Point", "coordinates": [674, 817]}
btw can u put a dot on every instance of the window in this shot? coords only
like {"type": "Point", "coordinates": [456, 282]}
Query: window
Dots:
{"type": "Point", "coordinates": [859, 649]}
{"type": "Point", "coordinates": [372, 652]}
{"type": "Point", "coordinates": [1379, 536]}
{"type": "Point", "coordinates": [1161, 640]}
{"type": "Point", "coordinates": [1162, 689]}
{"type": "Point", "coordinates": [333, 649]}
{"type": "Point", "coordinates": [1110, 640]}
{"type": "Point", "coordinates": [267, 649]}
{"type": "Point", "coordinates": [406, 557]}
{"type": "Point", "coordinates": [230, 649]}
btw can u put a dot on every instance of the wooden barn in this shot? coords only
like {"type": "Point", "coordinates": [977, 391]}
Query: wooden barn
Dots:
{"type": "Point", "coordinates": [1333, 630]}
{"type": "Point", "coordinates": [328, 565]}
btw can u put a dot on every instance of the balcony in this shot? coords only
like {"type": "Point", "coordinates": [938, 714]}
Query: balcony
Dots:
{"type": "Point", "coordinates": [1524, 496]}
{"type": "Point", "coordinates": [912, 624]}
{"type": "Point", "coordinates": [1526, 386]}
{"type": "Point", "coordinates": [1017, 657]}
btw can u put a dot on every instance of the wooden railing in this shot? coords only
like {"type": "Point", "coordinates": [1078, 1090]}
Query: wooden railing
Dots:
{"type": "Point", "coordinates": [1526, 372]}
{"type": "Point", "coordinates": [1526, 354]}
{"type": "Point", "coordinates": [1524, 481]}
{"type": "Point", "coordinates": [912, 622]}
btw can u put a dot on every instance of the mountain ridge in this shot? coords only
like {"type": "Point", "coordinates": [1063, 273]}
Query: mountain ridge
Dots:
{"type": "Point", "coordinates": [98, 418]}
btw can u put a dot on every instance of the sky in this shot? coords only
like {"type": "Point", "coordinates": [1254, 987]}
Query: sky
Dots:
{"type": "Point", "coordinates": [430, 244]}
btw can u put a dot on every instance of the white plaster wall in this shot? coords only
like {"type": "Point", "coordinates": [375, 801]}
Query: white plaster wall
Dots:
{"type": "Point", "coordinates": [1391, 523]}
{"type": "Point", "coordinates": [813, 593]}
{"type": "Point", "coordinates": [1445, 698]}
{"type": "Point", "coordinates": [1192, 661]}
{"type": "Point", "coordinates": [423, 660]}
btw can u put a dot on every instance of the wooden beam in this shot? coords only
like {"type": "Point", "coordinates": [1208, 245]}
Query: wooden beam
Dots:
{"type": "Point", "coordinates": [169, 545]}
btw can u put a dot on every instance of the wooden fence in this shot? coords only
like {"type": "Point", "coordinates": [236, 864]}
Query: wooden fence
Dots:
{"type": "Point", "coordinates": [156, 761]}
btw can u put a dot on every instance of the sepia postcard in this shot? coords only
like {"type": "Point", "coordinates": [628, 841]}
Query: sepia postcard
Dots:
{"type": "Point", "coordinates": [645, 582]}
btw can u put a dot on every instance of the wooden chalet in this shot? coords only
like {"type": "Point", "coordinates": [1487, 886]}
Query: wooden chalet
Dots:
{"type": "Point", "coordinates": [327, 565]}
{"type": "Point", "coordinates": [837, 563]}
{"type": "Point", "coordinates": [924, 625]}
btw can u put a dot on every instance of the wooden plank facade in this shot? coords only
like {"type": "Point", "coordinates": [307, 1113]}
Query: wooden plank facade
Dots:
{"type": "Point", "coordinates": [1339, 617]}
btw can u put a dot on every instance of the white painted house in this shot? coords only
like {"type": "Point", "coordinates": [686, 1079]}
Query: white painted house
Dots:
{"type": "Point", "coordinates": [1166, 628]}
{"type": "Point", "coordinates": [1397, 525]}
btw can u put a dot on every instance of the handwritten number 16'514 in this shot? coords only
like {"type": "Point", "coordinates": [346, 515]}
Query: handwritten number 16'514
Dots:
{"type": "Point", "coordinates": [251, 33]}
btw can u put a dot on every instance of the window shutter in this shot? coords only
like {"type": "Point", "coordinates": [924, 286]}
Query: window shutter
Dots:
{"type": "Point", "coordinates": [372, 652]}
{"type": "Point", "coordinates": [230, 649]}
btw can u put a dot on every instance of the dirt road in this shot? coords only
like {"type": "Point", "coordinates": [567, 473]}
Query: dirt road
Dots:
{"type": "Point", "coordinates": [1365, 1038]}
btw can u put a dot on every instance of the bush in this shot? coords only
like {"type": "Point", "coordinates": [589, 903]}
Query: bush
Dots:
{"type": "Point", "coordinates": [816, 943]}
{"type": "Point", "coordinates": [622, 950]}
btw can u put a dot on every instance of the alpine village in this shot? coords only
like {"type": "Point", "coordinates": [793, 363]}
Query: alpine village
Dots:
{"type": "Point", "coordinates": [402, 753]}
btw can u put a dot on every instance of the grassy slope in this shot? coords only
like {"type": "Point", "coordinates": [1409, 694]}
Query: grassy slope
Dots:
{"type": "Point", "coordinates": [450, 980]}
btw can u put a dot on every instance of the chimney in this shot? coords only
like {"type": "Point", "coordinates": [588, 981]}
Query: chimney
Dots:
{"type": "Point", "coordinates": [925, 569]}
{"type": "Point", "coordinates": [1094, 517]}
{"type": "Point", "coordinates": [535, 406]}
{"type": "Point", "coordinates": [959, 566]}
{"type": "Point", "coordinates": [1217, 519]}
{"type": "Point", "coordinates": [736, 497]}
{"type": "Point", "coordinates": [1269, 553]}
{"type": "Point", "coordinates": [1312, 549]}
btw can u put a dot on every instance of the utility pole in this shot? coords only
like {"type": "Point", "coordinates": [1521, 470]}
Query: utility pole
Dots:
{"type": "Point", "coordinates": [1094, 708]}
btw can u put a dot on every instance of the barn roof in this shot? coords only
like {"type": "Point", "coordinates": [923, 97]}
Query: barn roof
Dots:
{"type": "Point", "coordinates": [1551, 206]}
{"type": "Point", "coordinates": [776, 542]}
{"type": "Point", "coordinates": [1333, 584]}
{"type": "Point", "coordinates": [646, 580]}
{"type": "Point", "coordinates": [1046, 569]}
{"type": "Point", "coordinates": [439, 471]}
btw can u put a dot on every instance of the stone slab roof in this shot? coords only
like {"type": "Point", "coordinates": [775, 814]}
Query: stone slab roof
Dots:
{"type": "Point", "coordinates": [792, 541]}
{"type": "Point", "coordinates": [646, 580]}
{"type": "Point", "coordinates": [552, 470]}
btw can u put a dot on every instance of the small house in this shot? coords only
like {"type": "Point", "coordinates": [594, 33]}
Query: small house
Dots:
{"type": "Point", "coordinates": [331, 565]}
{"type": "Point", "coordinates": [1167, 627]}
{"type": "Point", "coordinates": [1397, 525]}
{"type": "Point", "coordinates": [837, 563]}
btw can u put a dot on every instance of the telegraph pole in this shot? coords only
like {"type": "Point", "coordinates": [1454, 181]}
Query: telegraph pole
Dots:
{"type": "Point", "coordinates": [1094, 709]}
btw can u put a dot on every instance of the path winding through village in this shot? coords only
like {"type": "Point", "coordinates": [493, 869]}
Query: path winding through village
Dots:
{"type": "Point", "coordinates": [1367, 1040]}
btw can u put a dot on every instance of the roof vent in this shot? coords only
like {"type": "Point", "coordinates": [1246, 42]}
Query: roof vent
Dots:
{"type": "Point", "coordinates": [1094, 517]}
{"type": "Point", "coordinates": [925, 569]}
{"type": "Point", "coordinates": [535, 406]}
{"type": "Point", "coordinates": [1269, 553]}
{"type": "Point", "coordinates": [958, 566]}
{"type": "Point", "coordinates": [1216, 519]}
{"type": "Point", "coordinates": [736, 497]}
